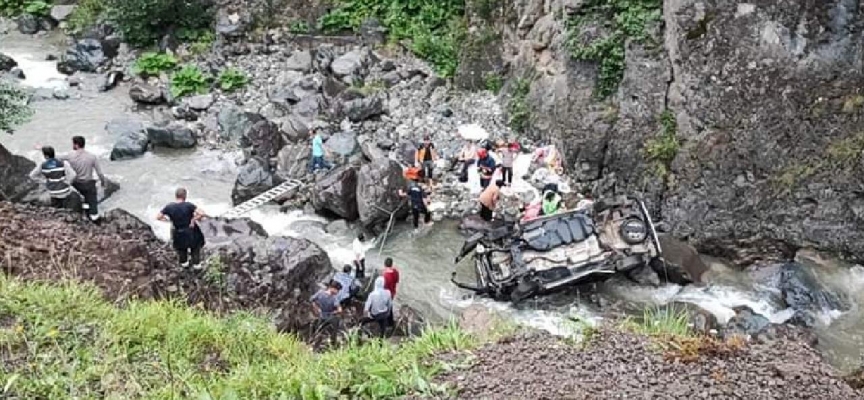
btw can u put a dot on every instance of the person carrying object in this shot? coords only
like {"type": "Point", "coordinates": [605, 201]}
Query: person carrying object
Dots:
{"type": "Point", "coordinates": [418, 198]}
{"type": "Point", "coordinates": [186, 235]}
{"type": "Point", "coordinates": [85, 164]}
{"type": "Point", "coordinates": [58, 176]}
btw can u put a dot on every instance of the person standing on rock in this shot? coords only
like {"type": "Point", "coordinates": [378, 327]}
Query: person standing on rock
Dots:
{"type": "Point", "coordinates": [508, 155]}
{"type": "Point", "coordinates": [349, 288]}
{"type": "Point", "coordinates": [391, 277]}
{"type": "Point", "coordinates": [58, 176]}
{"type": "Point", "coordinates": [85, 164]}
{"type": "Point", "coordinates": [489, 199]}
{"type": "Point", "coordinates": [318, 152]}
{"type": "Point", "coordinates": [425, 158]}
{"type": "Point", "coordinates": [485, 166]}
{"type": "Point", "coordinates": [379, 306]}
{"type": "Point", "coordinates": [418, 198]}
{"type": "Point", "coordinates": [326, 306]}
{"type": "Point", "coordinates": [467, 157]}
{"type": "Point", "coordinates": [359, 257]}
{"type": "Point", "coordinates": [186, 236]}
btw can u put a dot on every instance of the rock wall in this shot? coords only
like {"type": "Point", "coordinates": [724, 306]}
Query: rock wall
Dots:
{"type": "Point", "coordinates": [762, 101]}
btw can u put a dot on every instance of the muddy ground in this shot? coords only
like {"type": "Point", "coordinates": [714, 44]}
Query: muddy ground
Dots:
{"type": "Point", "coordinates": [616, 364]}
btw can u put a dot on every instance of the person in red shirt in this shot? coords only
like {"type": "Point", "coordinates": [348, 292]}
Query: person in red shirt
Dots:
{"type": "Point", "coordinates": [391, 277]}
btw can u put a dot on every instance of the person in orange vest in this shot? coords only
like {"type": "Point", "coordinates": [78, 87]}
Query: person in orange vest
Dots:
{"type": "Point", "coordinates": [425, 159]}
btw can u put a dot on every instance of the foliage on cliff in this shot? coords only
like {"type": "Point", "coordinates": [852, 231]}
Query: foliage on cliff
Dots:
{"type": "Point", "coordinates": [13, 107]}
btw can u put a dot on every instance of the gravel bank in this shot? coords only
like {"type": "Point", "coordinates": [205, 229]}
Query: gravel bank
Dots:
{"type": "Point", "coordinates": [622, 365]}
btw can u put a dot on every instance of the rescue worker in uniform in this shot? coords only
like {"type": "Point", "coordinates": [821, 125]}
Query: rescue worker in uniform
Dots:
{"type": "Point", "coordinates": [58, 177]}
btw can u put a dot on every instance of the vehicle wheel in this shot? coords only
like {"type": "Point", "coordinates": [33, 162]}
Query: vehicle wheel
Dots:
{"type": "Point", "coordinates": [525, 289]}
{"type": "Point", "coordinates": [631, 262]}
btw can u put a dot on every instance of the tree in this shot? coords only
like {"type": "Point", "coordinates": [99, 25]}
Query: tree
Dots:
{"type": "Point", "coordinates": [14, 109]}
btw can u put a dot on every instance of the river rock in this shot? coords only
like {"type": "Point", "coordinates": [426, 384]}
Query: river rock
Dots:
{"type": "Point", "coordinates": [173, 135]}
{"type": "Point", "coordinates": [220, 232]}
{"type": "Point", "coordinates": [16, 73]}
{"type": "Point", "coordinates": [378, 184]}
{"type": "Point", "coordinates": [233, 122]}
{"type": "Point", "coordinates": [682, 262]}
{"type": "Point", "coordinates": [349, 63]}
{"type": "Point", "coordinates": [295, 127]}
{"type": "Point", "coordinates": [60, 12]}
{"type": "Point", "coordinates": [15, 183]}
{"type": "Point", "coordinates": [28, 24]}
{"type": "Point", "coordinates": [293, 161]}
{"type": "Point", "coordinates": [370, 148]}
{"type": "Point", "coordinates": [337, 193]}
{"type": "Point", "coordinates": [7, 63]}
{"type": "Point", "coordinates": [200, 102]}
{"type": "Point", "coordinates": [265, 139]}
{"type": "Point", "coordinates": [130, 138]}
{"type": "Point", "coordinates": [146, 94]}
{"type": "Point", "coordinates": [253, 178]}
{"type": "Point", "coordinates": [802, 292]}
{"type": "Point", "coordinates": [300, 60]}
{"type": "Point", "coordinates": [343, 143]}
{"type": "Point", "coordinates": [85, 55]}
{"type": "Point", "coordinates": [746, 322]}
{"type": "Point", "coordinates": [361, 109]}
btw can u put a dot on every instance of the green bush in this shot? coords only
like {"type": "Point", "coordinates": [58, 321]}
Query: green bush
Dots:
{"type": "Point", "coordinates": [11, 8]}
{"type": "Point", "coordinates": [85, 15]}
{"type": "Point", "coordinates": [144, 22]}
{"type": "Point", "coordinates": [13, 107]}
{"type": "Point", "coordinates": [622, 20]}
{"type": "Point", "coordinates": [38, 8]}
{"type": "Point", "coordinates": [189, 80]}
{"type": "Point", "coordinates": [663, 148]}
{"type": "Point", "coordinates": [435, 28]}
{"type": "Point", "coordinates": [232, 79]}
{"type": "Point", "coordinates": [152, 64]}
{"type": "Point", "coordinates": [518, 110]}
{"type": "Point", "coordinates": [64, 341]}
{"type": "Point", "coordinates": [298, 27]}
{"type": "Point", "coordinates": [494, 82]}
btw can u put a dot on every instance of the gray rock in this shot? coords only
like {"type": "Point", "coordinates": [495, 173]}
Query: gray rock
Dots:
{"type": "Point", "coordinates": [337, 193]}
{"type": "Point", "coordinates": [361, 109]}
{"type": "Point", "coordinates": [349, 63]}
{"type": "Point", "coordinates": [219, 232]}
{"type": "Point", "coordinates": [7, 63]}
{"type": "Point", "coordinates": [342, 143]}
{"type": "Point", "coordinates": [253, 178]}
{"type": "Point", "coordinates": [295, 128]}
{"type": "Point", "coordinates": [337, 227]}
{"type": "Point", "coordinates": [130, 138]}
{"type": "Point", "coordinates": [324, 56]}
{"type": "Point", "coordinates": [293, 161]}
{"type": "Point", "coordinates": [14, 181]}
{"type": "Point", "coordinates": [369, 148]}
{"type": "Point", "coordinates": [146, 94]}
{"type": "Point", "coordinates": [233, 24]}
{"type": "Point", "coordinates": [17, 73]}
{"type": "Point", "coordinates": [110, 80]}
{"type": "Point", "coordinates": [372, 32]}
{"type": "Point", "coordinates": [85, 55]}
{"type": "Point", "coordinates": [200, 102]}
{"type": "Point", "coordinates": [300, 60]}
{"type": "Point", "coordinates": [60, 12]}
{"type": "Point", "coordinates": [378, 184]}
{"type": "Point", "coordinates": [28, 24]}
{"type": "Point", "coordinates": [233, 122]}
{"type": "Point", "coordinates": [177, 136]}
{"type": "Point", "coordinates": [264, 138]}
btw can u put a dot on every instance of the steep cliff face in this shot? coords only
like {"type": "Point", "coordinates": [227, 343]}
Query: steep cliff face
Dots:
{"type": "Point", "coordinates": [739, 122]}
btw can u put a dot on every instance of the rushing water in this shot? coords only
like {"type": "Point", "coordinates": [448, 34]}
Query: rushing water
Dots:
{"type": "Point", "coordinates": [425, 259]}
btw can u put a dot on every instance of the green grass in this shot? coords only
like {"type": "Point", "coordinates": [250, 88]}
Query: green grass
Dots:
{"type": "Point", "coordinates": [663, 148]}
{"type": "Point", "coordinates": [14, 107]}
{"type": "Point", "coordinates": [621, 20]}
{"type": "Point", "coordinates": [518, 109]}
{"type": "Point", "coordinates": [64, 340]}
{"type": "Point", "coordinates": [434, 29]}
{"type": "Point", "coordinates": [662, 321]}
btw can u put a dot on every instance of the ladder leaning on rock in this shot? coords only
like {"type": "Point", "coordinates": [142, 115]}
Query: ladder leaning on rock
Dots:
{"type": "Point", "coordinates": [262, 198]}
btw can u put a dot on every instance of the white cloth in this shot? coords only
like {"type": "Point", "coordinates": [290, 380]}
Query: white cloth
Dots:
{"type": "Point", "coordinates": [359, 251]}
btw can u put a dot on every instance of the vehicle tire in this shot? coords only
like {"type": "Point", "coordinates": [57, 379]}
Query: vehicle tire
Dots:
{"type": "Point", "coordinates": [630, 262]}
{"type": "Point", "coordinates": [633, 224]}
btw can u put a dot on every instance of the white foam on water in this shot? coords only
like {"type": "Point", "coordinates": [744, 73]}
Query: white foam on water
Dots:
{"type": "Point", "coordinates": [39, 73]}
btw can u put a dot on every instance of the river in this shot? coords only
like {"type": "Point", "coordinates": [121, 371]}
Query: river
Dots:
{"type": "Point", "coordinates": [425, 260]}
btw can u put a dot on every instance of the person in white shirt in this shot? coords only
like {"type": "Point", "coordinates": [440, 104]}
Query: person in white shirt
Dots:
{"type": "Point", "coordinates": [359, 257]}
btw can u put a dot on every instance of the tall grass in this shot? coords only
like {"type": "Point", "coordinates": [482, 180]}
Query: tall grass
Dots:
{"type": "Point", "coordinates": [64, 341]}
{"type": "Point", "coordinates": [662, 321]}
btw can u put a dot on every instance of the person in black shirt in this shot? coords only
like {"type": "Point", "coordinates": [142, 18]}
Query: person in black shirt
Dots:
{"type": "Point", "coordinates": [418, 199]}
{"type": "Point", "coordinates": [185, 233]}
{"type": "Point", "coordinates": [425, 159]}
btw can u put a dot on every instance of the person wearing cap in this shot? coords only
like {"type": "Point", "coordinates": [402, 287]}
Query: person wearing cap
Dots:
{"type": "Point", "coordinates": [486, 167]}
{"type": "Point", "coordinates": [425, 158]}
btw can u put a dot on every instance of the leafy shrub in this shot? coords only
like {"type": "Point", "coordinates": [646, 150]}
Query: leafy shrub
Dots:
{"type": "Point", "coordinates": [494, 82]}
{"type": "Point", "coordinates": [189, 80]}
{"type": "Point", "coordinates": [663, 148]}
{"type": "Point", "coordinates": [518, 111]}
{"type": "Point", "coordinates": [298, 27]}
{"type": "Point", "coordinates": [623, 19]}
{"type": "Point", "coordinates": [13, 107]}
{"type": "Point", "coordinates": [11, 8]}
{"type": "Point", "coordinates": [85, 15]}
{"type": "Point", "coordinates": [37, 8]}
{"type": "Point", "coordinates": [143, 22]}
{"type": "Point", "coordinates": [152, 64]}
{"type": "Point", "coordinates": [435, 28]}
{"type": "Point", "coordinates": [232, 79]}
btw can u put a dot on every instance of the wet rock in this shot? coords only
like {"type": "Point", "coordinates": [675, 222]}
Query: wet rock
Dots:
{"type": "Point", "coordinates": [146, 94]}
{"type": "Point", "coordinates": [337, 193]}
{"type": "Point", "coordinates": [337, 227]}
{"type": "Point", "coordinates": [293, 161]}
{"type": "Point", "coordinates": [683, 263]}
{"type": "Point", "coordinates": [7, 63]}
{"type": "Point", "coordinates": [17, 73]}
{"type": "Point", "coordinates": [801, 291]}
{"type": "Point", "coordinates": [644, 275]}
{"type": "Point", "coordinates": [746, 322]}
{"type": "Point", "coordinates": [130, 138]}
{"type": "Point", "coordinates": [220, 232]}
{"type": "Point", "coordinates": [60, 12]}
{"type": "Point", "coordinates": [119, 220]}
{"type": "Point", "coordinates": [173, 135]}
{"type": "Point", "coordinates": [85, 55]}
{"type": "Point", "coordinates": [300, 60]}
{"type": "Point", "coordinates": [265, 139]}
{"type": "Point", "coordinates": [856, 379]}
{"type": "Point", "coordinates": [253, 178]}
{"type": "Point", "coordinates": [14, 181]}
{"type": "Point", "coordinates": [200, 102]}
{"type": "Point", "coordinates": [28, 24]}
{"type": "Point", "coordinates": [110, 80]}
{"type": "Point", "coordinates": [378, 184]}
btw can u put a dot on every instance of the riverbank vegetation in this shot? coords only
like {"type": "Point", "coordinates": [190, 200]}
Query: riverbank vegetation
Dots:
{"type": "Point", "coordinates": [63, 339]}
{"type": "Point", "coordinates": [14, 109]}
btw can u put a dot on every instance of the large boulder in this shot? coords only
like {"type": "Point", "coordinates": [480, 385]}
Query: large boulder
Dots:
{"type": "Point", "coordinates": [802, 291]}
{"type": "Point", "coordinates": [293, 161]}
{"type": "Point", "coordinates": [60, 12]}
{"type": "Point", "coordinates": [86, 55]}
{"type": "Point", "coordinates": [233, 122]}
{"type": "Point", "coordinates": [130, 138]}
{"type": "Point", "coordinates": [14, 181]}
{"type": "Point", "coordinates": [343, 144]}
{"type": "Point", "coordinates": [7, 63]}
{"type": "Point", "coordinates": [264, 138]}
{"type": "Point", "coordinates": [350, 63]}
{"type": "Point", "coordinates": [173, 135]}
{"type": "Point", "coordinates": [360, 109]}
{"type": "Point", "coordinates": [146, 94]}
{"type": "Point", "coordinates": [253, 179]}
{"type": "Point", "coordinates": [682, 262]}
{"type": "Point", "coordinates": [300, 60]}
{"type": "Point", "coordinates": [337, 193]}
{"type": "Point", "coordinates": [378, 184]}
{"type": "Point", "coordinates": [28, 24]}
{"type": "Point", "coordinates": [221, 232]}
